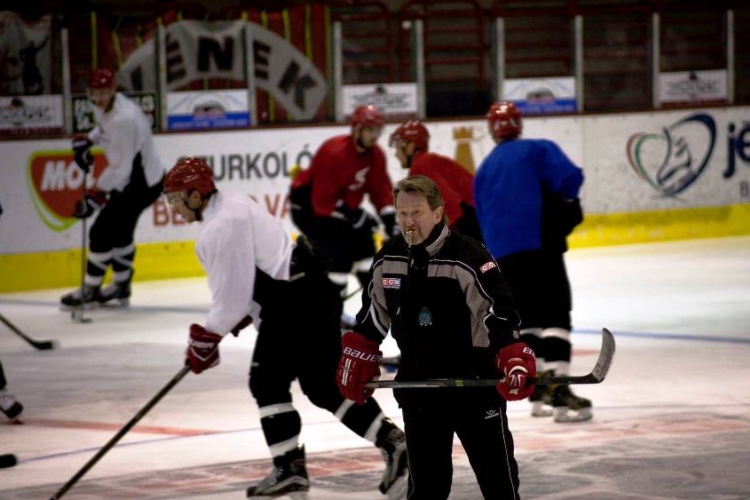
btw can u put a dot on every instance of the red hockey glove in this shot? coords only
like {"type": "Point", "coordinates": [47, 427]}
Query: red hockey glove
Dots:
{"type": "Point", "coordinates": [203, 349]}
{"type": "Point", "coordinates": [359, 364]}
{"type": "Point", "coordinates": [92, 201]}
{"type": "Point", "coordinates": [518, 364]}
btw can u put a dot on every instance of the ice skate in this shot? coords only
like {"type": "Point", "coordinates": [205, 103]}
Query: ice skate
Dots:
{"type": "Point", "coordinates": [289, 475]}
{"type": "Point", "coordinates": [393, 448]}
{"type": "Point", "coordinates": [9, 406]}
{"type": "Point", "coordinates": [568, 407]}
{"type": "Point", "coordinates": [116, 294]}
{"type": "Point", "coordinates": [89, 298]}
{"type": "Point", "coordinates": [391, 364]}
{"type": "Point", "coordinates": [541, 402]}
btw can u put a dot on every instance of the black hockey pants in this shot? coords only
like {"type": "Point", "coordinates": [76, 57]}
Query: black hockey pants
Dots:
{"type": "Point", "coordinates": [484, 434]}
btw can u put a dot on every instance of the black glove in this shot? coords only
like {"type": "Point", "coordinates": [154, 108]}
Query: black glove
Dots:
{"type": "Point", "coordinates": [81, 150]}
{"type": "Point", "coordinates": [92, 201]}
{"type": "Point", "coordinates": [391, 227]}
{"type": "Point", "coordinates": [358, 218]}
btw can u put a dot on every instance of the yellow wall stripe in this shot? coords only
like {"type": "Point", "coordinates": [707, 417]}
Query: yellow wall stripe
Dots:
{"type": "Point", "coordinates": [156, 261]}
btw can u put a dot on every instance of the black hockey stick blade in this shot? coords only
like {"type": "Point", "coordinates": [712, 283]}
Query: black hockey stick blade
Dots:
{"type": "Point", "coordinates": [596, 376]}
{"type": "Point", "coordinates": [8, 460]}
{"type": "Point", "coordinates": [42, 345]}
{"type": "Point", "coordinates": [163, 392]}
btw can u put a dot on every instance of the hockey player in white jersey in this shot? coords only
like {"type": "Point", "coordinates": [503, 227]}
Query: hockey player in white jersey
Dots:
{"type": "Point", "coordinates": [257, 274]}
{"type": "Point", "coordinates": [130, 183]}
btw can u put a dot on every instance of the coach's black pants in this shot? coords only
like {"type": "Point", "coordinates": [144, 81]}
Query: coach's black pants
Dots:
{"type": "Point", "coordinates": [484, 434]}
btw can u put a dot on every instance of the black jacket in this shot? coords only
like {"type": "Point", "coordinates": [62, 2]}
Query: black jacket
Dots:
{"type": "Point", "coordinates": [446, 304]}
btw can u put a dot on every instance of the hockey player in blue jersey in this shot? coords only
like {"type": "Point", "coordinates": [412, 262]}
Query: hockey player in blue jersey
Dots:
{"type": "Point", "coordinates": [526, 193]}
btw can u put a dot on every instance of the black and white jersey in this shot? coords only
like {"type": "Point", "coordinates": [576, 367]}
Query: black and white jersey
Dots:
{"type": "Point", "coordinates": [446, 304]}
{"type": "Point", "coordinates": [125, 135]}
{"type": "Point", "coordinates": [237, 240]}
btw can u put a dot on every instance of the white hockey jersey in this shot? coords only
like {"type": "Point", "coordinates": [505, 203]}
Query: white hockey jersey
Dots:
{"type": "Point", "coordinates": [124, 132]}
{"type": "Point", "coordinates": [237, 236]}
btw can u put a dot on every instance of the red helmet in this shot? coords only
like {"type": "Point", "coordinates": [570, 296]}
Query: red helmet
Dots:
{"type": "Point", "coordinates": [412, 131]}
{"type": "Point", "coordinates": [102, 78]}
{"type": "Point", "coordinates": [368, 116]}
{"type": "Point", "coordinates": [504, 120]}
{"type": "Point", "coordinates": [190, 173]}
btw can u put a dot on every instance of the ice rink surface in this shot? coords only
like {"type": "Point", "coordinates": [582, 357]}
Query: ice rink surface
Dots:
{"type": "Point", "coordinates": [671, 421]}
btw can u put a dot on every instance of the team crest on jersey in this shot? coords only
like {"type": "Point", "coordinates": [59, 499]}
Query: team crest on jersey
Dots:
{"type": "Point", "coordinates": [486, 267]}
{"type": "Point", "coordinates": [394, 283]}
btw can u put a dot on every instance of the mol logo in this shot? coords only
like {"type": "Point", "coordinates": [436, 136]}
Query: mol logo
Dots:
{"type": "Point", "coordinates": [672, 160]}
{"type": "Point", "coordinates": [56, 184]}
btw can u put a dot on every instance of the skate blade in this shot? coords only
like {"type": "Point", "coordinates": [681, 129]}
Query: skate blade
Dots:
{"type": "Point", "coordinates": [292, 495]}
{"type": "Point", "coordinates": [116, 304]}
{"type": "Point", "coordinates": [89, 306]}
{"type": "Point", "coordinates": [566, 415]}
{"type": "Point", "coordinates": [541, 412]}
{"type": "Point", "coordinates": [398, 489]}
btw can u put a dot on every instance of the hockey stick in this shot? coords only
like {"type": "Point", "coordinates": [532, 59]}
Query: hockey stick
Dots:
{"type": "Point", "coordinates": [163, 392]}
{"type": "Point", "coordinates": [42, 345]}
{"type": "Point", "coordinates": [8, 460]}
{"type": "Point", "coordinates": [596, 376]}
{"type": "Point", "coordinates": [352, 294]}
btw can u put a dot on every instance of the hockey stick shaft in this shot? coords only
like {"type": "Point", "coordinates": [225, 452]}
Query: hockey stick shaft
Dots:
{"type": "Point", "coordinates": [138, 416]}
{"type": "Point", "coordinates": [596, 376]}
{"type": "Point", "coordinates": [42, 345]}
{"type": "Point", "coordinates": [352, 294]}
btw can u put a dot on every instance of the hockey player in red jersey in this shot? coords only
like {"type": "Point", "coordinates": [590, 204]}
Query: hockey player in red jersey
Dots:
{"type": "Point", "coordinates": [327, 197]}
{"type": "Point", "coordinates": [255, 271]}
{"type": "Point", "coordinates": [411, 141]}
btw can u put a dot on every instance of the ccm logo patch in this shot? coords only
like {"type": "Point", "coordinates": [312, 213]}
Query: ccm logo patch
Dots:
{"type": "Point", "coordinates": [392, 283]}
{"type": "Point", "coordinates": [486, 267]}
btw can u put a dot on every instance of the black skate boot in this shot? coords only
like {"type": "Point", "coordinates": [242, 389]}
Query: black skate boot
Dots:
{"type": "Point", "coordinates": [89, 298]}
{"type": "Point", "coordinates": [289, 474]}
{"type": "Point", "coordinates": [9, 406]}
{"type": "Point", "coordinates": [393, 448]}
{"type": "Point", "coordinates": [116, 291]}
{"type": "Point", "coordinates": [541, 400]}
{"type": "Point", "coordinates": [568, 407]}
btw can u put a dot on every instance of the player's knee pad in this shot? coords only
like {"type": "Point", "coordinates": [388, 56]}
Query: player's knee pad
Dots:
{"type": "Point", "coordinates": [556, 332]}
{"type": "Point", "coordinates": [266, 392]}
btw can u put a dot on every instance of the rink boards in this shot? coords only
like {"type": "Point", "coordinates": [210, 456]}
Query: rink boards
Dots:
{"type": "Point", "coordinates": [649, 177]}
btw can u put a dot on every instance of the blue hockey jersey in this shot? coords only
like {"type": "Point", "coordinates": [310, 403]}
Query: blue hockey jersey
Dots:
{"type": "Point", "coordinates": [509, 187]}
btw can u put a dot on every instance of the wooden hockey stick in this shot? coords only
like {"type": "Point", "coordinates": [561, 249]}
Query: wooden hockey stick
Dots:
{"type": "Point", "coordinates": [163, 392]}
{"type": "Point", "coordinates": [42, 345]}
{"type": "Point", "coordinates": [596, 376]}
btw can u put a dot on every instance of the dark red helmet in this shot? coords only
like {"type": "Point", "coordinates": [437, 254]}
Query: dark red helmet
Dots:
{"type": "Point", "coordinates": [412, 131]}
{"type": "Point", "coordinates": [188, 174]}
{"type": "Point", "coordinates": [504, 120]}
{"type": "Point", "coordinates": [102, 78]}
{"type": "Point", "coordinates": [368, 116]}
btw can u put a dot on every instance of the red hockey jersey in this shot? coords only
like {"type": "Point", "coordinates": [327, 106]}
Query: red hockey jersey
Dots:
{"type": "Point", "coordinates": [339, 172]}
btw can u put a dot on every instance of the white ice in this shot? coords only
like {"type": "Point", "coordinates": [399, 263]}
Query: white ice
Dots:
{"type": "Point", "coordinates": [671, 420]}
